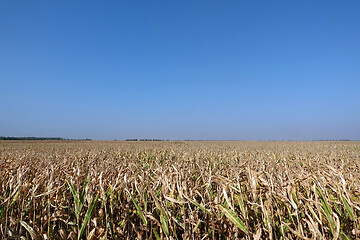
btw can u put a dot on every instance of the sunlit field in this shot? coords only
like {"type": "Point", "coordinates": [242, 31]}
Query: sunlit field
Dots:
{"type": "Point", "coordinates": [179, 190]}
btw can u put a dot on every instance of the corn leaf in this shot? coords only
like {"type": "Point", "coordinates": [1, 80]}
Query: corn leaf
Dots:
{"type": "Point", "coordinates": [233, 218]}
{"type": "Point", "coordinates": [347, 206]}
{"type": "Point", "coordinates": [138, 208]}
{"type": "Point", "coordinates": [87, 217]}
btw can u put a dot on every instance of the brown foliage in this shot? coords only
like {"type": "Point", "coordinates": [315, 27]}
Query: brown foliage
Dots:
{"type": "Point", "coordinates": [179, 190]}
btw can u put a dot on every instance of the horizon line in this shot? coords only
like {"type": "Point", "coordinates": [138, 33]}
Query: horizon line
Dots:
{"type": "Point", "coordinates": [29, 138]}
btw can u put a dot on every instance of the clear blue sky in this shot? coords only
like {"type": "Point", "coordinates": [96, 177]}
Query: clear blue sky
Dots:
{"type": "Point", "coordinates": [237, 69]}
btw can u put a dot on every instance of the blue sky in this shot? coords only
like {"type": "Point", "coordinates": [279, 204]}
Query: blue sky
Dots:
{"type": "Point", "coordinates": [241, 70]}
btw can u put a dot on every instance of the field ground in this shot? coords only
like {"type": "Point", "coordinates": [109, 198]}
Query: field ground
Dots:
{"type": "Point", "coordinates": [179, 190]}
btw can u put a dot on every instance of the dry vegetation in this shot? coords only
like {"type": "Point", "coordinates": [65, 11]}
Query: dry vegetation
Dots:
{"type": "Point", "coordinates": [179, 190]}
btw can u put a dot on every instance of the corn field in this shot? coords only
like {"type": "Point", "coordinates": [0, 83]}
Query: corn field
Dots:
{"type": "Point", "coordinates": [179, 190]}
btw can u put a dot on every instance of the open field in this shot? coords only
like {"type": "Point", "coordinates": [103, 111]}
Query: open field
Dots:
{"type": "Point", "coordinates": [179, 190]}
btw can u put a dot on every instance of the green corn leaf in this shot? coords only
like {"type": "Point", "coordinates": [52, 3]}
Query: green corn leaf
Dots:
{"type": "Point", "coordinates": [328, 217]}
{"type": "Point", "coordinates": [197, 225]}
{"type": "Point", "coordinates": [164, 224]}
{"type": "Point", "coordinates": [145, 201]}
{"type": "Point", "coordinates": [87, 217]}
{"type": "Point", "coordinates": [138, 208]}
{"type": "Point", "coordinates": [159, 206]}
{"type": "Point", "coordinates": [347, 206]}
{"type": "Point", "coordinates": [313, 213]}
{"type": "Point", "coordinates": [344, 236]}
{"type": "Point", "coordinates": [76, 199]}
{"type": "Point", "coordinates": [163, 217]}
{"type": "Point", "coordinates": [111, 226]}
{"type": "Point", "coordinates": [327, 211]}
{"type": "Point", "coordinates": [82, 197]}
{"type": "Point", "coordinates": [156, 234]}
{"type": "Point", "coordinates": [232, 217]}
{"type": "Point", "coordinates": [241, 204]}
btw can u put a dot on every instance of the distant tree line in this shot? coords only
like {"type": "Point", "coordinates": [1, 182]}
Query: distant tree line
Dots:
{"type": "Point", "coordinates": [42, 138]}
{"type": "Point", "coordinates": [135, 140]}
{"type": "Point", "coordinates": [31, 138]}
{"type": "Point", "coordinates": [334, 140]}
